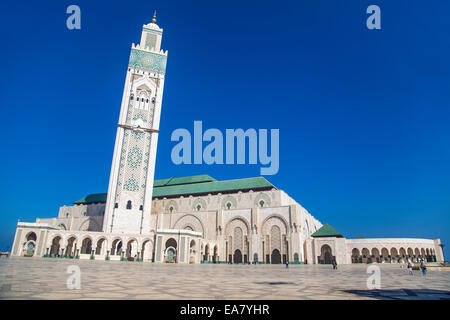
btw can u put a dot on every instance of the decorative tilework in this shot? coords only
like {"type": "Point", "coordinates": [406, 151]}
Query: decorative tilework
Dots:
{"type": "Point", "coordinates": [134, 157]}
{"type": "Point", "coordinates": [148, 60]}
{"type": "Point", "coordinates": [139, 115]}
{"type": "Point", "coordinates": [150, 41]}
{"type": "Point", "coordinates": [137, 136]}
{"type": "Point", "coordinates": [131, 185]}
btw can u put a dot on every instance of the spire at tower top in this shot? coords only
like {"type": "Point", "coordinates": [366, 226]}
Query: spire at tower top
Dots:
{"type": "Point", "coordinates": [154, 17]}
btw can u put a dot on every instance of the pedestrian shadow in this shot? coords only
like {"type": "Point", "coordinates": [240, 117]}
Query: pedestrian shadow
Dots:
{"type": "Point", "coordinates": [403, 294]}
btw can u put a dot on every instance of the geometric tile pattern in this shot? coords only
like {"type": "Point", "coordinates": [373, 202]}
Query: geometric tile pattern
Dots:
{"type": "Point", "coordinates": [135, 153]}
{"type": "Point", "coordinates": [148, 61]}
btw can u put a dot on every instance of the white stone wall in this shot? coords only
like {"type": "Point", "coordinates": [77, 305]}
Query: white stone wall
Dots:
{"type": "Point", "coordinates": [280, 224]}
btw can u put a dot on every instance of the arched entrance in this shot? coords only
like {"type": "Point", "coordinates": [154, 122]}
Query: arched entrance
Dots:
{"type": "Point", "coordinates": [192, 252]}
{"type": "Point", "coordinates": [385, 255]}
{"type": "Point", "coordinates": [54, 250]}
{"type": "Point", "coordinates": [100, 246]}
{"type": "Point", "coordinates": [365, 256]}
{"type": "Point", "coordinates": [30, 244]}
{"type": "Point", "coordinates": [375, 255]}
{"type": "Point", "coordinates": [171, 251]}
{"type": "Point", "coordinates": [71, 247]}
{"type": "Point", "coordinates": [237, 257]}
{"type": "Point", "coordinates": [132, 250]}
{"type": "Point", "coordinates": [355, 255]}
{"type": "Point", "coordinates": [86, 246]}
{"type": "Point", "coordinates": [116, 247]}
{"type": "Point", "coordinates": [146, 252]}
{"type": "Point", "coordinates": [216, 254]}
{"type": "Point", "coordinates": [275, 258]}
{"type": "Point", "coordinates": [326, 254]}
{"type": "Point", "coordinates": [206, 257]}
{"type": "Point", "coordinates": [394, 255]}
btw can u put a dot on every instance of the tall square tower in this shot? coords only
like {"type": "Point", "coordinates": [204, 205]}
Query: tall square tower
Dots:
{"type": "Point", "coordinates": [128, 205]}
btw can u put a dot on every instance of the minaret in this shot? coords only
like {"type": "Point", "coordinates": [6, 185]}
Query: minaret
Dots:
{"type": "Point", "coordinates": [129, 200]}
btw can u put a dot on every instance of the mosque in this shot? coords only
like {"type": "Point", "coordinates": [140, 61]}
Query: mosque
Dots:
{"type": "Point", "coordinates": [195, 219]}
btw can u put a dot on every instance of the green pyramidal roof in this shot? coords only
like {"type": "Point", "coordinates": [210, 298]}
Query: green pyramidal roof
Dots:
{"type": "Point", "coordinates": [192, 185]}
{"type": "Point", "coordinates": [327, 231]}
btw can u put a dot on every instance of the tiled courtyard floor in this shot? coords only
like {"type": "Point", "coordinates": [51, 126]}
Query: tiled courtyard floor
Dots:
{"type": "Point", "coordinates": [37, 278]}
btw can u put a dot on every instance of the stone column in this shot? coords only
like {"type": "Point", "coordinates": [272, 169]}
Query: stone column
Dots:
{"type": "Point", "coordinates": [254, 239]}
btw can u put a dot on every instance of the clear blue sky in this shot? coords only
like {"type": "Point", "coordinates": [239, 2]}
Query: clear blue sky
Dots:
{"type": "Point", "coordinates": [363, 115]}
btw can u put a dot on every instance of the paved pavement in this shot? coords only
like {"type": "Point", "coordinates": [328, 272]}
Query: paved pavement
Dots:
{"type": "Point", "coordinates": [46, 278]}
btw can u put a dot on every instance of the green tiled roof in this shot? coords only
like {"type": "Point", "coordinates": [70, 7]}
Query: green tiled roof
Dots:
{"type": "Point", "coordinates": [327, 231]}
{"type": "Point", "coordinates": [92, 198]}
{"type": "Point", "coordinates": [183, 180]}
{"type": "Point", "coordinates": [193, 185]}
{"type": "Point", "coordinates": [211, 187]}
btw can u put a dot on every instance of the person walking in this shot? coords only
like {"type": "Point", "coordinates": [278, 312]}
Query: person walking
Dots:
{"type": "Point", "coordinates": [410, 268]}
{"type": "Point", "coordinates": [287, 264]}
{"type": "Point", "coordinates": [334, 263]}
{"type": "Point", "coordinates": [423, 268]}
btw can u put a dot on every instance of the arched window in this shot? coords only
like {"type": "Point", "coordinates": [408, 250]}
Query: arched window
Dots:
{"type": "Point", "coordinates": [129, 205]}
{"type": "Point", "coordinates": [261, 203]}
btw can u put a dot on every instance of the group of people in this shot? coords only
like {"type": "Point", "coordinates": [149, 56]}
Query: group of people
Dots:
{"type": "Point", "coordinates": [423, 267]}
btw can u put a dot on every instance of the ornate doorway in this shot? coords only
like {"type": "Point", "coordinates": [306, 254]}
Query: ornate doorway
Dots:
{"type": "Point", "coordinates": [237, 258]}
{"type": "Point", "coordinates": [276, 257]}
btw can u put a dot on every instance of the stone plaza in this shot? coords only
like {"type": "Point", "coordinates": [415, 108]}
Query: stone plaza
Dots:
{"type": "Point", "coordinates": [47, 278]}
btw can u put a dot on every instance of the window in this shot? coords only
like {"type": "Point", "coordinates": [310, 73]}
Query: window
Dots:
{"type": "Point", "coordinates": [129, 205]}
{"type": "Point", "coordinates": [141, 207]}
{"type": "Point", "coordinates": [229, 205]}
{"type": "Point", "coordinates": [171, 209]}
{"type": "Point", "coordinates": [199, 207]}
{"type": "Point", "coordinates": [261, 203]}
{"type": "Point", "coordinates": [116, 205]}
